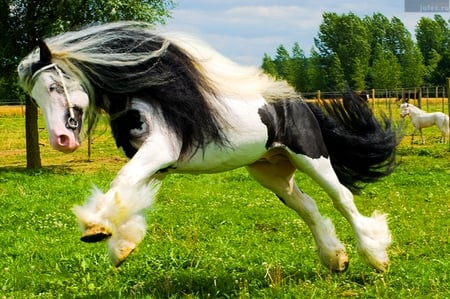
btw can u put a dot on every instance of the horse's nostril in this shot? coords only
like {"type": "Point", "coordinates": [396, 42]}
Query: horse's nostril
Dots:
{"type": "Point", "coordinates": [63, 140]}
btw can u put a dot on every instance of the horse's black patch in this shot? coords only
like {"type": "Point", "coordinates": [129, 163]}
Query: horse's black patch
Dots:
{"type": "Point", "coordinates": [121, 126]}
{"type": "Point", "coordinates": [291, 122]}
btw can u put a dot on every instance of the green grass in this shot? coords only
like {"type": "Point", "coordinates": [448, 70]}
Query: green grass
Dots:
{"type": "Point", "coordinates": [214, 236]}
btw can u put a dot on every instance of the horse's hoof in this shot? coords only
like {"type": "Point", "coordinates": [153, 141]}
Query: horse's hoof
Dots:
{"type": "Point", "coordinates": [381, 267]}
{"type": "Point", "coordinates": [94, 234]}
{"type": "Point", "coordinates": [337, 262]}
{"type": "Point", "coordinates": [118, 256]}
{"type": "Point", "coordinates": [341, 263]}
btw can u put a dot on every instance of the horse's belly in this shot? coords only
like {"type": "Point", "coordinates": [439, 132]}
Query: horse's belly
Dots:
{"type": "Point", "coordinates": [218, 159]}
{"type": "Point", "coordinates": [424, 122]}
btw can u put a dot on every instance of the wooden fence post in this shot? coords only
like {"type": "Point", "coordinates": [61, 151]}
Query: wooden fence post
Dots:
{"type": "Point", "coordinates": [419, 98]}
{"type": "Point", "coordinates": [448, 102]}
{"type": "Point", "coordinates": [448, 95]}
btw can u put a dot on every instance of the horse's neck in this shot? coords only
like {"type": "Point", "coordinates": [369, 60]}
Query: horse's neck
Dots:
{"type": "Point", "coordinates": [415, 110]}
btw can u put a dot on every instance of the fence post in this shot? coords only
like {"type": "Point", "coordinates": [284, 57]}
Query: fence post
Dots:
{"type": "Point", "coordinates": [89, 147]}
{"type": "Point", "coordinates": [448, 97]}
{"type": "Point", "coordinates": [419, 98]}
{"type": "Point", "coordinates": [448, 103]}
{"type": "Point", "coordinates": [373, 98]}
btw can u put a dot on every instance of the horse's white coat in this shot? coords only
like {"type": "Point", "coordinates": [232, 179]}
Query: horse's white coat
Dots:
{"type": "Point", "coordinates": [421, 119]}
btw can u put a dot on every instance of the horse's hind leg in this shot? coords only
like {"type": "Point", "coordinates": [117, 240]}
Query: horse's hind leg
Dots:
{"type": "Point", "coordinates": [372, 233]}
{"type": "Point", "coordinates": [278, 177]}
{"type": "Point", "coordinates": [445, 129]}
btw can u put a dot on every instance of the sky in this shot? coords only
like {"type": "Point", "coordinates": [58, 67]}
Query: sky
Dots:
{"type": "Point", "coordinates": [244, 30]}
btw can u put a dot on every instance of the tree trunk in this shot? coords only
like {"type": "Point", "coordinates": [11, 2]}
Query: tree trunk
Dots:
{"type": "Point", "coordinates": [32, 135]}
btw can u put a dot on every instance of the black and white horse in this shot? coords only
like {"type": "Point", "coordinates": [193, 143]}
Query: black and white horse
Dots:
{"type": "Point", "coordinates": [177, 106]}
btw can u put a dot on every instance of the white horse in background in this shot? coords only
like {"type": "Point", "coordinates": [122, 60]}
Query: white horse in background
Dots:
{"type": "Point", "coordinates": [422, 119]}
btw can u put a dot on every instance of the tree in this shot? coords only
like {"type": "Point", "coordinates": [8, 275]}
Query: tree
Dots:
{"type": "Point", "coordinates": [335, 74]}
{"type": "Point", "coordinates": [442, 70]}
{"type": "Point", "coordinates": [268, 66]}
{"type": "Point", "coordinates": [433, 40]}
{"type": "Point", "coordinates": [315, 71]}
{"type": "Point", "coordinates": [24, 21]}
{"type": "Point", "coordinates": [299, 64]}
{"type": "Point", "coordinates": [412, 67]}
{"type": "Point", "coordinates": [282, 62]}
{"type": "Point", "coordinates": [386, 70]}
{"type": "Point", "coordinates": [377, 27]}
{"type": "Point", "coordinates": [398, 38]}
{"type": "Point", "coordinates": [346, 36]}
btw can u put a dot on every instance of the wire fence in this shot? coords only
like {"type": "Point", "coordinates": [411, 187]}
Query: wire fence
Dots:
{"type": "Point", "coordinates": [11, 102]}
{"type": "Point", "coordinates": [434, 98]}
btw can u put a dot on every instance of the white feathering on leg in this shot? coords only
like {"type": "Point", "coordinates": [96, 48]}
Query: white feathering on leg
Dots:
{"type": "Point", "coordinates": [374, 238]}
{"type": "Point", "coordinates": [125, 238]}
{"type": "Point", "coordinates": [128, 201]}
{"type": "Point", "coordinates": [91, 212]}
{"type": "Point", "coordinates": [119, 212]}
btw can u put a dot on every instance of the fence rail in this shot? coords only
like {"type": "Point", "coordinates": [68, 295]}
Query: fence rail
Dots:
{"type": "Point", "coordinates": [11, 102]}
{"type": "Point", "coordinates": [421, 96]}
{"type": "Point", "coordinates": [409, 93]}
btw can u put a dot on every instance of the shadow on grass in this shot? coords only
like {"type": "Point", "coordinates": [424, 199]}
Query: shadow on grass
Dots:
{"type": "Point", "coordinates": [237, 283]}
{"type": "Point", "coordinates": [52, 169]}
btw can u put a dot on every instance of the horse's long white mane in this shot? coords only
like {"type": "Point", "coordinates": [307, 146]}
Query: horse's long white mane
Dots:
{"type": "Point", "coordinates": [229, 78]}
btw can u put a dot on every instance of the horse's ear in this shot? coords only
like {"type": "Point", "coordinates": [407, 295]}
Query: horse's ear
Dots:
{"type": "Point", "coordinates": [45, 54]}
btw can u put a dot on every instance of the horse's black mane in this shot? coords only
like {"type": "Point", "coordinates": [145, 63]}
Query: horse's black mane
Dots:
{"type": "Point", "coordinates": [170, 80]}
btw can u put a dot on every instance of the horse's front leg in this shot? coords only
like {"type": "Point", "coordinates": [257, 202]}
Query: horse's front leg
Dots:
{"type": "Point", "coordinates": [421, 136]}
{"type": "Point", "coordinates": [117, 215]}
{"type": "Point", "coordinates": [412, 135]}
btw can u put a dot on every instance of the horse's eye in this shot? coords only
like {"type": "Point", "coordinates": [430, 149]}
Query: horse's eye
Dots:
{"type": "Point", "coordinates": [55, 87]}
{"type": "Point", "coordinates": [52, 87]}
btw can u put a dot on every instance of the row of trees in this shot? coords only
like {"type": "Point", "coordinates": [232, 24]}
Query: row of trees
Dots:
{"type": "Point", "coordinates": [370, 52]}
{"type": "Point", "coordinates": [22, 22]}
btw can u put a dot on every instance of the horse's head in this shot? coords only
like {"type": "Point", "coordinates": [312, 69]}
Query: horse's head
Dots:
{"type": "Point", "coordinates": [404, 110]}
{"type": "Point", "coordinates": [62, 100]}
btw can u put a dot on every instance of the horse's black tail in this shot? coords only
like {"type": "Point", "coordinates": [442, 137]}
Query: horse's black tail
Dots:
{"type": "Point", "coordinates": [361, 148]}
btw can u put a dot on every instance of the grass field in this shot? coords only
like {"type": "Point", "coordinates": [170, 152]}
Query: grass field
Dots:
{"type": "Point", "coordinates": [214, 236]}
